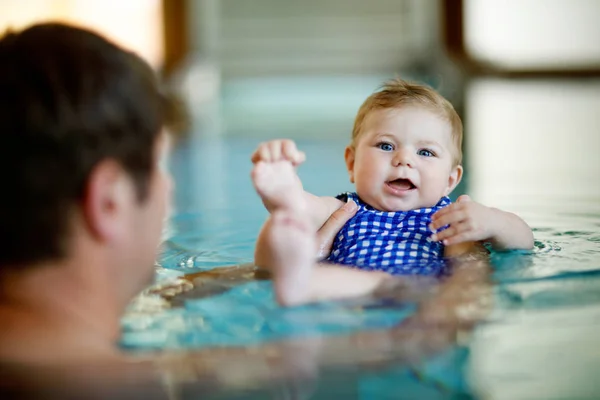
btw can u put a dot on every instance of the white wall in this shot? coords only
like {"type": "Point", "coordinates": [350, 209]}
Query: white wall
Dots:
{"type": "Point", "coordinates": [533, 34]}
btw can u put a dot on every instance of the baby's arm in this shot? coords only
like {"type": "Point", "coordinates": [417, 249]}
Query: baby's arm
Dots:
{"type": "Point", "coordinates": [471, 221]}
{"type": "Point", "coordinates": [275, 179]}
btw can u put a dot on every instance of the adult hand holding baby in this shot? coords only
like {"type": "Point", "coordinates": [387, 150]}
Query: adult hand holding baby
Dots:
{"type": "Point", "coordinates": [332, 226]}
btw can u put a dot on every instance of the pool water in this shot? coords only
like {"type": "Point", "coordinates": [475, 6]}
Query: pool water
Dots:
{"type": "Point", "coordinates": [539, 341]}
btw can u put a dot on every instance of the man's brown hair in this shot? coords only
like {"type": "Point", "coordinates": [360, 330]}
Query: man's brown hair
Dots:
{"type": "Point", "coordinates": [69, 100]}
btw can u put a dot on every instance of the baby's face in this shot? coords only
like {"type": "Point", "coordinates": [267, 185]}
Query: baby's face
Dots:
{"type": "Point", "coordinates": [403, 159]}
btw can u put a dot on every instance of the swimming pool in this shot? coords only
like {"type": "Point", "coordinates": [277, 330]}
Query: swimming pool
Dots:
{"type": "Point", "coordinates": [539, 340]}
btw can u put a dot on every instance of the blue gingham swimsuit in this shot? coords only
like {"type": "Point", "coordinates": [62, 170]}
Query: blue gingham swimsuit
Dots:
{"type": "Point", "coordinates": [394, 242]}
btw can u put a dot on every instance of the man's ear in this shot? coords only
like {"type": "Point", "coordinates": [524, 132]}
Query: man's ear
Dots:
{"type": "Point", "coordinates": [454, 179]}
{"type": "Point", "coordinates": [349, 156]}
{"type": "Point", "coordinates": [105, 204]}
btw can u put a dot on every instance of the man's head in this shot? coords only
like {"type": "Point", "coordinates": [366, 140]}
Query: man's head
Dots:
{"type": "Point", "coordinates": [406, 148]}
{"type": "Point", "coordinates": [81, 134]}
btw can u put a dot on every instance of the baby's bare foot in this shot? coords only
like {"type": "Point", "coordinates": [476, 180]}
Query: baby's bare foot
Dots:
{"type": "Point", "coordinates": [278, 185]}
{"type": "Point", "coordinates": [290, 252]}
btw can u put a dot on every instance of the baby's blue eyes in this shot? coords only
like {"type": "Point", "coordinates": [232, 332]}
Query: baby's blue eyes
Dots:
{"type": "Point", "coordinates": [389, 147]}
{"type": "Point", "coordinates": [385, 146]}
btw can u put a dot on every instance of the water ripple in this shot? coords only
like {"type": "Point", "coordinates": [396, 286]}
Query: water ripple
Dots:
{"type": "Point", "coordinates": [545, 247]}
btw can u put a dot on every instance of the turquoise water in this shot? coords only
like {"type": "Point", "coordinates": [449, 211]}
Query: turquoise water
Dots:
{"type": "Point", "coordinates": [540, 338]}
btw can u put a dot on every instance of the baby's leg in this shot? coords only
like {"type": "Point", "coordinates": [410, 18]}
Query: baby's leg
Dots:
{"type": "Point", "coordinates": [286, 246]}
{"type": "Point", "coordinates": [288, 251]}
{"type": "Point", "coordinates": [279, 186]}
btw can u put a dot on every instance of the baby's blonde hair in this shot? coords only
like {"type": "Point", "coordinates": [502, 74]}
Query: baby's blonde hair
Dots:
{"type": "Point", "coordinates": [397, 93]}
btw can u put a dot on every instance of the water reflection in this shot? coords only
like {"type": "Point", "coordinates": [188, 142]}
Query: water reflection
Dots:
{"type": "Point", "coordinates": [407, 341]}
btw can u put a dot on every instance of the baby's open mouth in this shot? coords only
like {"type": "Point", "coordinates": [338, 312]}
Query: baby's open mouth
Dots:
{"type": "Point", "coordinates": [401, 184]}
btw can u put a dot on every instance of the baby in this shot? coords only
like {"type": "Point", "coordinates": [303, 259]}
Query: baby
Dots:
{"type": "Point", "coordinates": [404, 160]}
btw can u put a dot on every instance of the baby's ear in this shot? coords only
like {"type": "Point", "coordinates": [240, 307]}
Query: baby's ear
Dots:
{"type": "Point", "coordinates": [349, 156]}
{"type": "Point", "coordinates": [454, 179]}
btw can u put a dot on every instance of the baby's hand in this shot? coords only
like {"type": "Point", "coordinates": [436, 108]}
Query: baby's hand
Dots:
{"type": "Point", "coordinates": [468, 220]}
{"type": "Point", "coordinates": [278, 150]}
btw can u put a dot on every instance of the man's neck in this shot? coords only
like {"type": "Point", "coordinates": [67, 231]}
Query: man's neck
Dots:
{"type": "Point", "coordinates": [58, 310]}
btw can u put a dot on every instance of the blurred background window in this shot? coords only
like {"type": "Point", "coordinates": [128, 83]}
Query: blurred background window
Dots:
{"type": "Point", "coordinates": [135, 24]}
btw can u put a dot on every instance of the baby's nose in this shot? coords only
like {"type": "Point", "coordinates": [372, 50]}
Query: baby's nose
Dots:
{"type": "Point", "coordinates": [402, 157]}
